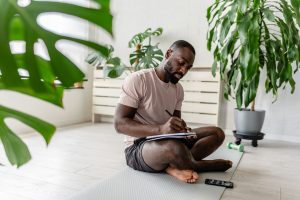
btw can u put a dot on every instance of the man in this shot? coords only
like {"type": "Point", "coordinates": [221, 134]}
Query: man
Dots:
{"type": "Point", "coordinates": [145, 98]}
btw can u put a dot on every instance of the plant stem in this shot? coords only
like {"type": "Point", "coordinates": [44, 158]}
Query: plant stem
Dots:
{"type": "Point", "coordinates": [137, 48]}
{"type": "Point", "coordinates": [252, 105]}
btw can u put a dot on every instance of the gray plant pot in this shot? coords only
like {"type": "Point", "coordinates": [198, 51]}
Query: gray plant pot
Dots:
{"type": "Point", "coordinates": [249, 122]}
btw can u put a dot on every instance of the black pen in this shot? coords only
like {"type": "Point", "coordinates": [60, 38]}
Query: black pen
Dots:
{"type": "Point", "coordinates": [169, 113]}
{"type": "Point", "coordinates": [187, 128]}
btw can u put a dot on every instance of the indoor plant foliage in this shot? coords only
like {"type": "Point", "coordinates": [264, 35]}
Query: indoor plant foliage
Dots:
{"type": "Point", "coordinates": [112, 66]}
{"type": "Point", "coordinates": [144, 56]}
{"type": "Point", "coordinates": [248, 36]}
{"type": "Point", "coordinates": [19, 23]}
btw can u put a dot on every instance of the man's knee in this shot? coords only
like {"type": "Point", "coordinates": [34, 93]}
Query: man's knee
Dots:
{"type": "Point", "coordinates": [220, 134]}
{"type": "Point", "coordinates": [174, 149]}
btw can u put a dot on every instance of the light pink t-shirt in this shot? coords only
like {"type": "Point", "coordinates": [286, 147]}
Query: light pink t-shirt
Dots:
{"type": "Point", "coordinates": [151, 96]}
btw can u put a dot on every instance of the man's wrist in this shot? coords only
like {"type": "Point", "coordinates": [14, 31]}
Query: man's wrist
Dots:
{"type": "Point", "coordinates": [159, 131]}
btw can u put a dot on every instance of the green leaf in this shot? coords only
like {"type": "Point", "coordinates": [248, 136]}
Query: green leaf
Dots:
{"type": "Point", "coordinates": [234, 78]}
{"type": "Point", "coordinates": [253, 87]}
{"type": "Point", "coordinates": [95, 59]}
{"type": "Point", "coordinates": [247, 96]}
{"type": "Point", "coordinates": [20, 23]}
{"type": "Point", "coordinates": [269, 14]}
{"type": "Point", "coordinates": [208, 12]}
{"type": "Point", "coordinates": [253, 66]}
{"type": "Point", "coordinates": [233, 12]}
{"type": "Point", "coordinates": [17, 29]}
{"type": "Point", "coordinates": [148, 56]}
{"type": "Point", "coordinates": [239, 96]}
{"type": "Point", "coordinates": [226, 91]}
{"type": "Point", "coordinates": [256, 4]}
{"type": "Point", "coordinates": [287, 73]}
{"type": "Point", "coordinates": [114, 61]}
{"type": "Point", "coordinates": [267, 85]}
{"type": "Point", "coordinates": [292, 83]}
{"type": "Point", "coordinates": [140, 37]}
{"type": "Point", "coordinates": [242, 26]}
{"type": "Point", "coordinates": [211, 9]}
{"type": "Point", "coordinates": [245, 57]}
{"type": "Point", "coordinates": [210, 37]}
{"type": "Point", "coordinates": [296, 6]}
{"type": "Point", "coordinates": [16, 150]}
{"type": "Point", "coordinates": [243, 5]}
{"type": "Point", "coordinates": [113, 72]}
{"type": "Point", "coordinates": [214, 68]}
{"type": "Point", "coordinates": [157, 32]}
{"type": "Point", "coordinates": [224, 29]}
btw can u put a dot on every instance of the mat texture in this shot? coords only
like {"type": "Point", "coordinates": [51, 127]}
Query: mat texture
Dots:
{"type": "Point", "coordinates": [129, 184]}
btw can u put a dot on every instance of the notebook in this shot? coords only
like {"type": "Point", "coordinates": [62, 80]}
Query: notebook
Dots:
{"type": "Point", "coordinates": [171, 136]}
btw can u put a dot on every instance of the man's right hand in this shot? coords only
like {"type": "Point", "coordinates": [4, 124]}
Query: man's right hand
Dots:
{"type": "Point", "coordinates": [174, 124]}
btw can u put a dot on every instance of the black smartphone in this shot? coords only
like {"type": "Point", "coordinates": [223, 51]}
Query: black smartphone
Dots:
{"type": "Point", "coordinates": [227, 184]}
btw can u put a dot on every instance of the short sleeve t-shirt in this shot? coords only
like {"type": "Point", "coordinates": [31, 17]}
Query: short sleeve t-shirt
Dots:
{"type": "Point", "coordinates": [151, 96]}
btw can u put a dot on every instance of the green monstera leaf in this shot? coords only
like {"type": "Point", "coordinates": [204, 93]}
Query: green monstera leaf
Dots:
{"type": "Point", "coordinates": [146, 57]}
{"type": "Point", "coordinates": [141, 37]}
{"type": "Point", "coordinates": [145, 54]}
{"type": "Point", "coordinates": [16, 150]}
{"type": "Point", "coordinates": [19, 23]}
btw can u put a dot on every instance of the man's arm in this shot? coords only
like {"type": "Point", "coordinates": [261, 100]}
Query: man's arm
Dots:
{"type": "Point", "coordinates": [125, 124]}
{"type": "Point", "coordinates": [177, 113]}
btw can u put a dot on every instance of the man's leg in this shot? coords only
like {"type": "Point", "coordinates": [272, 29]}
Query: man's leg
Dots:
{"type": "Point", "coordinates": [174, 155]}
{"type": "Point", "coordinates": [208, 140]}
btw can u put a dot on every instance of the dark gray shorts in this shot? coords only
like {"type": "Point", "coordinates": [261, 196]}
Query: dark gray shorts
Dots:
{"type": "Point", "coordinates": [135, 159]}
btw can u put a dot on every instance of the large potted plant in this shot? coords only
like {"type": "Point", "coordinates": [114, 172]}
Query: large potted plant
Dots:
{"type": "Point", "coordinates": [246, 37]}
{"type": "Point", "coordinates": [145, 55]}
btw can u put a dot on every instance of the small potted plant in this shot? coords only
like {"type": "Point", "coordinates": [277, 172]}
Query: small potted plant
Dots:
{"type": "Point", "coordinates": [145, 55]}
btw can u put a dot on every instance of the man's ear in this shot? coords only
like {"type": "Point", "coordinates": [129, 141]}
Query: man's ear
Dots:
{"type": "Point", "coordinates": [169, 53]}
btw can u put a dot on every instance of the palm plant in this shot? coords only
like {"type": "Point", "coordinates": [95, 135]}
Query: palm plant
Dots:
{"type": "Point", "coordinates": [19, 23]}
{"type": "Point", "coordinates": [249, 36]}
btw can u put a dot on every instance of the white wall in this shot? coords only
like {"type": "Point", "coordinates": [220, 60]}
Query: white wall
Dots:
{"type": "Point", "coordinates": [186, 20]}
{"type": "Point", "coordinates": [179, 19]}
{"type": "Point", "coordinates": [77, 102]}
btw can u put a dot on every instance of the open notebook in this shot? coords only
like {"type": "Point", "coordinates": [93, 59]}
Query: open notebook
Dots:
{"type": "Point", "coordinates": [171, 136]}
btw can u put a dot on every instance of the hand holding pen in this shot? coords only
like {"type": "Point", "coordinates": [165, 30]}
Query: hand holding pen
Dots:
{"type": "Point", "coordinates": [182, 125]}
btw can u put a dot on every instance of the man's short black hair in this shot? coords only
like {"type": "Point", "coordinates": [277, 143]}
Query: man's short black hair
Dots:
{"type": "Point", "coordinates": [182, 44]}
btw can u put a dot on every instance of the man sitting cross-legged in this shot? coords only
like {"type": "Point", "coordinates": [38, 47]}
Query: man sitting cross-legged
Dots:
{"type": "Point", "coordinates": [141, 112]}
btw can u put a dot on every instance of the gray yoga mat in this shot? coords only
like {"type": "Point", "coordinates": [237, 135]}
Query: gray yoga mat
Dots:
{"type": "Point", "coordinates": [129, 184]}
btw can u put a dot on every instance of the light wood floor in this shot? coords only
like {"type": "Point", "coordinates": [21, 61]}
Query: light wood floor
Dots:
{"type": "Point", "coordinates": [80, 156]}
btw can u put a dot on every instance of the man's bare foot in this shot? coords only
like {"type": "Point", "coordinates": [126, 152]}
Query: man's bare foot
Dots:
{"type": "Point", "coordinates": [188, 176]}
{"type": "Point", "coordinates": [215, 165]}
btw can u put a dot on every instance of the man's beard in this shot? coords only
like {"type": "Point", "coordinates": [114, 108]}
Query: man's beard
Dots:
{"type": "Point", "coordinates": [169, 75]}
